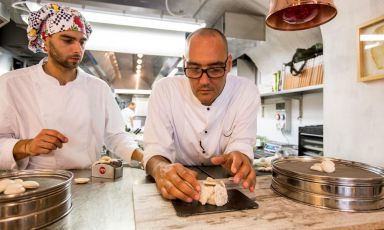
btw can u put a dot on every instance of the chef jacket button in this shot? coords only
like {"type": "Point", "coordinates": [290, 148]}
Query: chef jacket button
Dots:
{"type": "Point", "coordinates": [208, 108]}
{"type": "Point", "coordinates": [205, 131]}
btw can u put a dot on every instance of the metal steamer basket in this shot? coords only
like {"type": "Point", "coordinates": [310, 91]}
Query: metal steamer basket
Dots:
{"type": "Point", "coordinates": [353, 187]}
{"type": "Point", "coordinates": [39, 207]}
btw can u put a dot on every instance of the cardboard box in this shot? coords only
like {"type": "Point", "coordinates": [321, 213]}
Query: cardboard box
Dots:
{"type": "Point", "coordinates": [107, 171]}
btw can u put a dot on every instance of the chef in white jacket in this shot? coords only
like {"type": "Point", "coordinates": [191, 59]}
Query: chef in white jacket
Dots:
{"type": "Point", "coordinates": [53, 115]}
{"type": "Point", "coordinates": [205, 117]}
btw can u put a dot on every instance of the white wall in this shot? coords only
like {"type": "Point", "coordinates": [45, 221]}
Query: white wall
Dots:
{"type": "Point", "coordinates": [269, 57]}
{"type": "Point", "coordinates": [353, 111]}
{"type": "Point", "coordinates": [312, 115]}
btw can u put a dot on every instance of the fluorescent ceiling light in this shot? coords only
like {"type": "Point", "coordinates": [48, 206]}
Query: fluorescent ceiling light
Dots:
{"type": "Point", "coordinates": [135, 40]}
{"type": "Point", "coordinates": [153, 23]}
{"type": "Point", "coordinates": [185, 25]}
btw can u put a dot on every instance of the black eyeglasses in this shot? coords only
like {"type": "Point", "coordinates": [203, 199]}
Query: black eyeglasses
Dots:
{"type": "Point", "coordinates": [212, 72]}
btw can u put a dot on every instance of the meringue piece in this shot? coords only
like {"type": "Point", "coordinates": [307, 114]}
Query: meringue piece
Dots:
{"type": "Point", "coordinates": [213, 192]}
{"type": "Point", "coordinates": [81, 180]}
{"type": "Point", "coordinates": [19, 181]}
{"type": "Point", "coordinates": [4, 183]}
{"type": "Point", "coordinates": [106, 158]}
{"type": "Point", "coordinates": [14, 188]}
{"type": "Point", "coordinates": [325, 166]}
{"type": "Point", "coordinates": [328, 166]}
{"type": "Point", "coordinates": [30, 184]}
{"type": "Point", "coordinates": [317, 167]}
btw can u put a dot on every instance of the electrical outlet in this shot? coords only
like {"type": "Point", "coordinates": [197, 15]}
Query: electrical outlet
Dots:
{"type": "Point", "coordinates": [283, 116]}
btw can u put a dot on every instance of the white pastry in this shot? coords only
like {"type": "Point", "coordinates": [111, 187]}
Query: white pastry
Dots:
{"type": "Point", "coordinates": [81, 180]}
{"type": "Point", "coordinates": [4, 183]}
{"type": "Point", "coordinates": [106, 158]}
{"type": "Point", "coordinates": [14, 188]}
{"type": "Point", "coordinates": [30, 184]}
{"type": "Point", "coordinates": [19, 181]}
{"type": "Point", "coordinates": [317, 167]}
{"type": "Point", "coordinates": [213, 192]}
{"type": "Point", "coordinates": [328, 166]}
{"type": "Point", "coordinates": [325, 166]}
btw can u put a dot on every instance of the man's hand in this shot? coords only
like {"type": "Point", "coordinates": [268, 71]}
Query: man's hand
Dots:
{"type": "Point", "coordinates": [240, 166]}
{"type": "Point", "coordinates": [174, 181]}
{"type": "Point", "coordinates": [45, 142]}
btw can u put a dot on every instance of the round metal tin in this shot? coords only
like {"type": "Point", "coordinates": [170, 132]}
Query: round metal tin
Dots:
{"type": "Point", "coordinates": [39, 207]}
{"type": "Point", "coordinates": [352, 187]}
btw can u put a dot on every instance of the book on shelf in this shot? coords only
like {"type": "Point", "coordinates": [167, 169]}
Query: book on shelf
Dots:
{"type": "Point", "coordinates": [312, 74]}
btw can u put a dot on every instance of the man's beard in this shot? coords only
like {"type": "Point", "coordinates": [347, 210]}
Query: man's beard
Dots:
{"type": "Point", "coordinates": [61, 59]}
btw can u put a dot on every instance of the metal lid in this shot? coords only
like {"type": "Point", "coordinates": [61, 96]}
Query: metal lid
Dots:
{"type": "Point", "coordinates": [346, 173]}
{"type": "Point", "coordinates": [352, 187]}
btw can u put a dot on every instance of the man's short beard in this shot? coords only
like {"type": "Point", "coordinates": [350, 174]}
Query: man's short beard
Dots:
{"type": "Point", "coordinates": [60, 59]}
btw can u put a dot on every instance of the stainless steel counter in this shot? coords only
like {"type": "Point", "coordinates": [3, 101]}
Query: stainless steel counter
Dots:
{"type": "Point", "coordinates": [102, 204]}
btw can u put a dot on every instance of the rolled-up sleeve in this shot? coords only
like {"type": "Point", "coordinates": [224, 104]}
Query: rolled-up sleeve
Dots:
{"type": "Point", "coordinates": [243, 137]}
{"type": "Point", "coordinates": [116, 139]}
{"type": "Point", "coordinates": [158, 135]}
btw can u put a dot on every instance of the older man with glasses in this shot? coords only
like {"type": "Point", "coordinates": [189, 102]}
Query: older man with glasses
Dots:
{"type": "Point", "coordinates": [205, 118]}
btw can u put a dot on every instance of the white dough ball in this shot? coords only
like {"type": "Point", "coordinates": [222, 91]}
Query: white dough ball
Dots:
{"type": "Point", "coordinates": [14, 188]}
{"type": "Point", "coordinates": [30, 184]}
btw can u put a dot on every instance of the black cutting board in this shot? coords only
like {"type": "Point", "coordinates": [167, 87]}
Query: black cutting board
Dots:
{"type": "Point", "coordinates": [236, 201]}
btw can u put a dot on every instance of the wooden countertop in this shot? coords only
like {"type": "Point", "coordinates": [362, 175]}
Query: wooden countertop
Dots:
{"type": "Point", "coordinates": [274, 212]}
{"type": "Point", "coordinates": [132, 202]}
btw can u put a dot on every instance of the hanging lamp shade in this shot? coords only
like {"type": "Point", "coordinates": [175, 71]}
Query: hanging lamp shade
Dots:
{"type": "Point", "coordinates": [299, 14]}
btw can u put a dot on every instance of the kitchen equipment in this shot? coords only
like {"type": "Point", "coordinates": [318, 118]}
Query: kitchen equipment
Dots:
{"type": "Point", "coordinates": [236, 201]}
{"type": "Point", "coordinates": [38, 207]}
{"type": "Point", "coordinates": [352, 187]}
{"type": "Point", "coordinates": [311, 140]}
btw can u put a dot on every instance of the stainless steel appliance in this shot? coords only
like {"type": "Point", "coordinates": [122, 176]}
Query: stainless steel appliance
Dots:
{"type": "Point", "coordinates": [311, 140]}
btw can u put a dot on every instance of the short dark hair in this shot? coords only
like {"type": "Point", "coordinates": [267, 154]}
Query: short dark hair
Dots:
{"type": "Point", "coordinates": [207, 32]}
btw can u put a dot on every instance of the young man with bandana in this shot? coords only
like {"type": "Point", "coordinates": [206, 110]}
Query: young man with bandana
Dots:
{"type": "Point", "coordinates": [207, 117]}
{"type": "Point", "coordinates": [53, 115]}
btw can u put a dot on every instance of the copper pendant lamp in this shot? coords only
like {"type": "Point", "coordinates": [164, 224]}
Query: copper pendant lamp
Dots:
{"type": "Point", "coordinates": [299, 14]}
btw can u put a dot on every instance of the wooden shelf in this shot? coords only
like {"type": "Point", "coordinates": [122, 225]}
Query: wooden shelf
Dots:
{"type": "Point", "coordinates": [292, 92]}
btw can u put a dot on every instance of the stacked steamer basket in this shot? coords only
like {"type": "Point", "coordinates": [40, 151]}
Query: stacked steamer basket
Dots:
{"type": "Point", "coordinates": [354, 187]}
{"type": "Point", "coordinates": [39, 207]}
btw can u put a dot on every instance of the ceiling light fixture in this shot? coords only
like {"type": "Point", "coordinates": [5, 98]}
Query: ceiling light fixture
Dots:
{"type": "Point", "coordinates": [154, 23]}
{"type": "Point", "coordinates": [140, 55]}
{"type": "Point", "coordinates": [299, 14]}
{"type": "Point", "coordinates": [139, 61]}
{"type": "Point", "coordinates": [101, 16]}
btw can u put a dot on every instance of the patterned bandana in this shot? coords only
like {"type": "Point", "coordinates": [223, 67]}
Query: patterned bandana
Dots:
{"type": "Point", "coordinates": [51, 19]}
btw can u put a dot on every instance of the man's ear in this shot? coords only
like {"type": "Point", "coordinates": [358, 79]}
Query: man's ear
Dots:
{"type": "Point", "coordinates": [229, 62]}
{"type": "Point", "coordinates": [46, 44]}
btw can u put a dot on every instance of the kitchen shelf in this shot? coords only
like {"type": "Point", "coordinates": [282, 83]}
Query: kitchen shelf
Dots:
{"type": "Point", "coordinates": [296, 94]}
{"type": "Point", "coordinates": [293, 92]}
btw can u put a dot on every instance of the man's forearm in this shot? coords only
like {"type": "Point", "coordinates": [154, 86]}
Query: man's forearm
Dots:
{"type": "Point", "coordinates": [20, 150]}
{"type": "Point", "coordinates": [154, 163]}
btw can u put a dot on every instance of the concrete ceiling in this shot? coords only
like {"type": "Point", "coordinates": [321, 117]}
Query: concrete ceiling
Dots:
{"type": "Point", "coordinates": [207, 10]}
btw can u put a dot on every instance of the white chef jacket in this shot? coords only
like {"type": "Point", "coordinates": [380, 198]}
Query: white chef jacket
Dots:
{"type": "Point", "coordinates": [84, 110]}
{"type": "Point", "coordinates": [181, 129]}
{"type": "Point", "coordinates": [128, 114]}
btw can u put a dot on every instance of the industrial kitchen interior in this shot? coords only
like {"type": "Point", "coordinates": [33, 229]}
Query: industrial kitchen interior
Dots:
{"type": "Point", "coordinates": [110, 128]}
